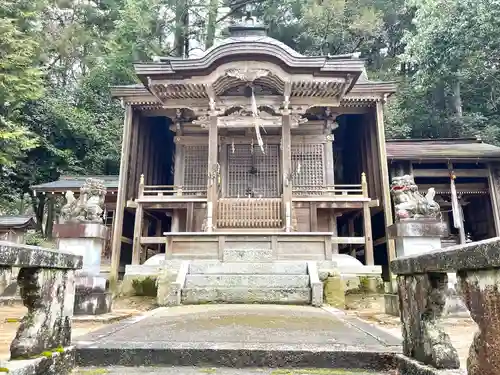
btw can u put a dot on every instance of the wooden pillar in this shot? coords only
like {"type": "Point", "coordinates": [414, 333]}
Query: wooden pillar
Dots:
{"type": "Point", "coordinates": [330, 174]}
{"type": "Point", "coordinates": [367, 225]}
{"type": "Point", "coordinates": [458, 213]}
{"type": "Point", "coordinates": [121, 197]}
{"type": "Point", "coordinates": [138, 225]}
{"type": "Point", "coordinates": [178, 176]}
{"type": "Point", "coordinates": [212, 181]}
{"type": "Point", "coordinates": [286, 162]}
{"type": "Point", "coordinates": [332, 226]}
{"type": "Point", "coordinates": [494, 187]}
{"type": "Point", "coordinates": [350, 228]}
{"type": "Point", "coordinates": [384, 171]}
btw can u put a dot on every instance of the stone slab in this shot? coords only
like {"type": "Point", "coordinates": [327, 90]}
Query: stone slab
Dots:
{"type": "Point", "coordinates": [80, 230]}
{"type": "Point", "coordinates": [283, 267]}
{"type": "Point", "coordinates": [244, 295]}
{"type": "Point", "coordinates": [237, 336]}
{"type": "Point", "coordinates": [417, 228]}
{"type": "Point", "coordinates": [247, 255]}
{"type": "Point", "coordinates": [416, 245]}
{"type": "Point", "coordinates": [56, 364]}
{"type": "Point", "coordinates": [103, 318]}
{"type": "Point", "coordinates": [251, 281]}
{"type": "Point", "coordinates": [26, 256]}
{"type": "Point", "coordinates": [192, 370]}
{"type": "Point", "coordinates": [478, 255]}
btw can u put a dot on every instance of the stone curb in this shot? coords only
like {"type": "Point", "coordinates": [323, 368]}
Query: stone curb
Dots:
{"type": "Point", "coordinates": [237, 358]}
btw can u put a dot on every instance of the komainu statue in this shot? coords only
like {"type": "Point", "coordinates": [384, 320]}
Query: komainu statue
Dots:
{"type": "Point", "coordinates": [409, 203]}
{"type": "Point", "coordinates": [89, 207]}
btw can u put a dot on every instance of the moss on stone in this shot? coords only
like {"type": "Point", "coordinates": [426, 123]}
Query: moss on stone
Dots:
{"type": "Point", "coordinates": [208, 370]}
{"type": "Point", "coordinates": [94, 371]}
{"type": "Point", "coordinates": [145, 287]}
{"type": "Point", "coordinates": [334, 292]}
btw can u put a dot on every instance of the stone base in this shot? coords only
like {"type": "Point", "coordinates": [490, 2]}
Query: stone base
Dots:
{"type": "Point", "coordinates": [91, 297]}
{"type": "Point", "coordinates": [92, 303]}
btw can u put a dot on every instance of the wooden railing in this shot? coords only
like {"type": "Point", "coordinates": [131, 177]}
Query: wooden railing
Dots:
{"type": "Point", "coordinates": [146, 191]}
{"type": "Point", "coordinates": [249, 213]}
{"type": "Point", "coordinates": [360, 190]}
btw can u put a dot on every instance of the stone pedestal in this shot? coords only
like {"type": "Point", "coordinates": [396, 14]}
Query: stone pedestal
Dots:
{"type": "Point", "coordinates": [87, 240]}
{"type": "Point", "coordinates": [415, 237]}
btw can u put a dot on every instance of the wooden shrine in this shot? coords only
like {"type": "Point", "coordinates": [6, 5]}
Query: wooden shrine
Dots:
{"type": "Point", "coordinates": [252, 142]}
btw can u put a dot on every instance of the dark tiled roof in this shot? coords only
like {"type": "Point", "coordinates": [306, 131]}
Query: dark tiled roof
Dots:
{"type": "Point", "coordinates": [16, 221]}
{"type": "Point", "coordinates": [75, 183]}
{"type": "Point", "coordinates": [435, 149]}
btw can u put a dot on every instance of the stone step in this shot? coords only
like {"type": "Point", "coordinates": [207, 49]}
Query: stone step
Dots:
{"type": "Point", "coordinates": [251, 281]}
{"type": "Point", "coordinates": [192, 370]}
{"type": "Point", "coordinates": [247, 255]}
{"type": "Point", "coordinates": [246, 295]}
{"type": "Point", "coordinates": [275, 268]}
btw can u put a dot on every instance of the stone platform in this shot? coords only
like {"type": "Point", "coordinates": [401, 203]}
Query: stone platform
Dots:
{"type": "Point", "coordinates": [241, 336]}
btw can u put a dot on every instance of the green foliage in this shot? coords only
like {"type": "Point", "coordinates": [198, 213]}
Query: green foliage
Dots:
{"type": "Point", "coordinates": [145, 287]}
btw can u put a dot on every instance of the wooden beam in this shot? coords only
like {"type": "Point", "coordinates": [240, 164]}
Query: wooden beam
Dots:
{"type": "Point", "coordinates": [127, 240]}
{"type": "Point", "coordinates": [121, 198]}
{"type": "Point", "coordinates": [384, 172]}
{"type": "Point", "coordinates": [446, 173]}
{"type": "Point", "coordinates": [494, 184]}
{"type": "Point", "coordinates": [348, 240]}
{"type": "Point", "coordinates": [379, 241]}
{"type": "Point", "coordinates": [152, 240]}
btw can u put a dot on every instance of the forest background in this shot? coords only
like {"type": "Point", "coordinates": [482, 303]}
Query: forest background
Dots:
{"type": "Point", "coordinates": [58, 59]}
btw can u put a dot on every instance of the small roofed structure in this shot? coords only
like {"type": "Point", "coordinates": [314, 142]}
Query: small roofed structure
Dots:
{"type": "Point", "coordinates": [465, 173]}
{"type": "Point", "coordinates": [14, 228]}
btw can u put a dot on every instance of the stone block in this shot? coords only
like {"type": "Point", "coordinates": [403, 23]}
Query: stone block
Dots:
{"type": "Point", "coordinates": [422, 303]}
{"type": "Point", "coordinates": [247, 255]}
{"type": "Point", "coordinates": [93, 303]}
{"type": "Point", "coordinates": [246, 295]}
{"type": "Point", "coordinates": [278, 267]}
{"type": "Point", "coordinates": [49, 296]}
{"type": "Point", "coordinates": [251, 281]}
{"type": "Point", "coordinates": [334, 293]}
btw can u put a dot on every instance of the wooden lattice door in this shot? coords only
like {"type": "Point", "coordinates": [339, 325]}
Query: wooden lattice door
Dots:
{"type": "Point", "coordinates": [253, 173]}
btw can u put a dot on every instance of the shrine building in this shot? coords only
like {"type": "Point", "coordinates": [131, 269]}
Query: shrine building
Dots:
{"type": "Point", "coordinates": [252, 143]}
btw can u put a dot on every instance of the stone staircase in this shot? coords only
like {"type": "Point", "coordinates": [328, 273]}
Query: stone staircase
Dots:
{"type": "Point", "coordinates": [247, 276]}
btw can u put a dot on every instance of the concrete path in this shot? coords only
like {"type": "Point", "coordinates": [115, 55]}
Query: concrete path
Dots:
{"type": "Point", "coordinates": [240, 336]}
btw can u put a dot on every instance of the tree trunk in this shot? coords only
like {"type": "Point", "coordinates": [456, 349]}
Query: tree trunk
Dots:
{"type": "Point", "coordinates": [211, 23]}
{"type": "Point", "coordinates": [456, 99]}
{"type": "Point", "coordinates": [38, 204]}
{"type": "Point", "coordinates": [50, 218]}
{"type": "Point", "coordinates": [179, 31]}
